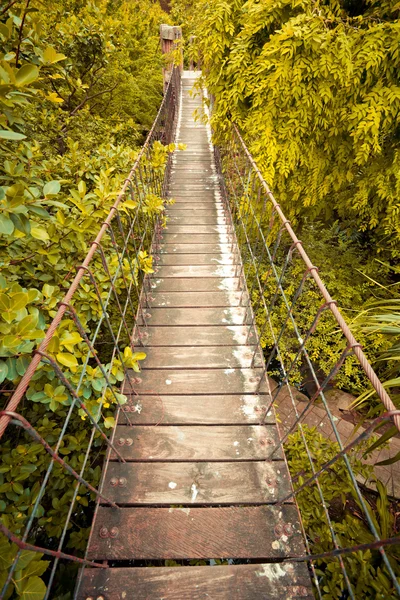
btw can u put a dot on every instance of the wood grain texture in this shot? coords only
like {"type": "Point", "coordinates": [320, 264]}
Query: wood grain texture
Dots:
{"type": "Point", "coordinates": [196, 220]}
{"type": "Point", "coordinates": [196, 483]}
{"type": "Point", "coordinates": [202, 229]}
{"type": "Point", "coordinates": [196, 410]}
{"type": "Point", "coordinates": [177, 533]}
{"type": "Point", "coordinates": [195, 238]}
{"type": "Point", "coordinates": [200, 381]}
{"type": "Point", "coordinates": [201, 249]}
{"type": "Point", "coordinates": [197, 299]}
{"type": "Point", "coordinates": [230, 335]}
{"type": "Point", "coordinates": [188, 271]}
{"type": "Point", "coordinates": [175, 259]}
{"type": "Point", "coordinates": [202, 357]}
{"type": "Point", "coordinates": [196, 284]}
{"type": "Point", "coordinates": [228, 315]}
{"type": "Point", "coordinates": [267, 581]}
{"type": "Point", "coordinates": [196, 442]}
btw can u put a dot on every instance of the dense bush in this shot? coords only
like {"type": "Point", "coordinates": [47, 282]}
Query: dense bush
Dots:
{"type": "Point", "coordinates": [80, 86]}
{"type": "Point", "coordinates": [366, 570]}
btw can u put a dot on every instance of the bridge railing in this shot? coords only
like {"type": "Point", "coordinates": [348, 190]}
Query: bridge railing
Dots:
{"type": "Point", "coordinates": [325, 454]}
{"type": "Point", "coordinates": [77, 371]}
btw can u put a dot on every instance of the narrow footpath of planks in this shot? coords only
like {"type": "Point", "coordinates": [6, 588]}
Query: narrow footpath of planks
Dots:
{"type": "Point", "coordinates": [197, 483]}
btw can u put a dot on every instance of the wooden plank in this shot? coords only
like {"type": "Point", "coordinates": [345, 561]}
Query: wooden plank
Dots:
{"type": "Point", "coordinates": [202, 249]}
{"type": "Point", "coordinates": [197, 271]}
{"type": "Point", "coordinates": [238, 315]}
{"type": "Point", "coordinates": [204, 229]}
{"type": "Point", "coordinates": [195, 336]}
{"type": "Point", "coordinates": [255, 482]}
{"type": "Point", "coordinates": [178, 533]}
{"type": "Point", "coordinates": [200, 381]}
{"type": "Point", "coordinates": [269, 581]}
{"type": "Point", "coordinates": [196, 238]}
{"type": "Point", "coordinates": [196, 284]}
{"type": "Point", "coordinates": [197, 210]}
{"type": "Point", "coordinates": [181, 299]}
{"type": "Point", "coordinates": [196, 442]}
{"type": "Point", "coordinates": [224, 409]}
{"type": "Point", "coordinates": [197, 259]}
{"type": "Point", "coordinates": [195, 220]}
{"type": "Point", "coordinates": [198, 357]}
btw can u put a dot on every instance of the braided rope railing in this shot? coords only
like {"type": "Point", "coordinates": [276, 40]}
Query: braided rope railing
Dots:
{"type": "Point", "coordinates": [120, 298]}
{"type": "Point", "coordinates": [279, 274]}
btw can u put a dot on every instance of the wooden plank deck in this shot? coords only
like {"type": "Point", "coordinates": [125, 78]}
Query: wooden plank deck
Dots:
{"type": "Point", "coordinates": [197, 482]}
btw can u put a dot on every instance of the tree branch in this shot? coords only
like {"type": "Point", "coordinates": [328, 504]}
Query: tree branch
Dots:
{"type": "Point", "coordinates": [9, 5]}
{"type": "Point", "coordinates": [87, 98]}
{"type": "Point", "coordinates": [20, 32]}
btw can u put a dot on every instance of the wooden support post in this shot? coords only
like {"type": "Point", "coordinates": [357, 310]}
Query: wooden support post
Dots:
{"type": "Point", "coordinates": [169, 35]}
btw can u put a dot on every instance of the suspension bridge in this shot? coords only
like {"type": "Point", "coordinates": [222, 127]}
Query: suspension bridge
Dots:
{"type": "Point", "coordinates": [196, 499]}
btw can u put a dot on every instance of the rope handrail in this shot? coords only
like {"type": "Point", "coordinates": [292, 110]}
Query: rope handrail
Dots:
{"type": "Point", "coordinates": [115, 270]}
{"type": "Point", "coordinates": [357, 349]}
{"type": "Point", "coordinates": [278, 270]}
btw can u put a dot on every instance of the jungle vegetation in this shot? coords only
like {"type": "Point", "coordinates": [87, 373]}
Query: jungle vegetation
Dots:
{"type": "Point", "coordinates": [81, 83]}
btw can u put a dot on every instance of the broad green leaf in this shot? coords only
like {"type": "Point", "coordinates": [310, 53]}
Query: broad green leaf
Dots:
{"type": "Point", "coordinates": [5, 303]}
{"type": "Point", "coordinates": [3, 371]}
{"type": "Point", "coordinates": [109, 422]}
{"type": "Point", "coordinates": [26, 74]}
{"type": "Point", "coordinates": [82, 188]}
{"type": "Point", "coordinates": [6, 225]}
{"type": "Point", "coordinates": [40, 234]}
{"type": "Point", "coordinates": [51, 188]}
{"type": "Point", "coordinates": [21, 223]}
{"type": "Point", "coordinates": [26, 557]}
{"type": "Point", "coordinates": [27, 325]}
{"type": "Point", "coordinates": [51, 56]}
{"type": "Point", "coordinates": [6, 134]}
{"type": "Point", "coordinates": [18, 301]}
{"type": "Point", "coordinates": [34, 589]}
{"type": "Point", "coordinates": [39, 211]}
{"type": "Point", "coordinates": [71, 339]}
{"type": "Point", "coordinates": [66, 359]}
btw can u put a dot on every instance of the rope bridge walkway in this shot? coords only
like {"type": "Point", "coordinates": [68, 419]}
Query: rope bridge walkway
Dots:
{"type": "Point", "coordinates": [196, 499]}
{"type": "Point", "coordinates": [197, 451]}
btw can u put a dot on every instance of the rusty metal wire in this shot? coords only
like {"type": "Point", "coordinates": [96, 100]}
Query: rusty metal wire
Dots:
{"type": "Point", "coordinates": [279, 273]}
{"type": "Point", "coordinates": [119, 305]}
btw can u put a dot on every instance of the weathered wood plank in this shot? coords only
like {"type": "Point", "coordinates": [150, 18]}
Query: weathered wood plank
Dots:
{"type": "Point", "coordinates": [197, 271]}
{"type": "Point", "coordinates": [196, 442]}
{"type": "Point", "coordinates": [196, 483]}
{"type": "Point", "coordinates": [196, 238]}
{"type": "Point", "coordinates": [200, 381]}
{"type": "Point", "coordinates": [197, 259]}
{"type": "Point", "coordinates": [195, 336]}
{"type": "Point", "coordinates": [226, 532]}
{"type": "Point", "coordinates": [269, 581]}
{"type": "Point", "coordinates": [198, 357]}
{"type": "Point", "coordinates": [199, 229]}
{"type": "Point", "coordinates": [196, 220]}
{"type": "Point", "coordinates": [198, 410]}
{"type": "Point", "coordinates": [182, 299]}
{"type": "Point", "coordinates": [202, 249]}
{"type": "Point", "coordinates": [238, 315]}
{"type": "Point", "coordinates": [199, 211]}
{"type": "Point", "coordinates": [196, 284]}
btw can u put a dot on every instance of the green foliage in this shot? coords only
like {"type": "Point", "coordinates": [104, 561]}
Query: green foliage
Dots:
{"type": "Point", "coordinates": [80, 85]}
{"type": "Point", "coordinates": [315, 89]}
{"type": "Point", "coordinates": [27, 583]}
{"type": "Point", "coordinates": [366, 570]}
